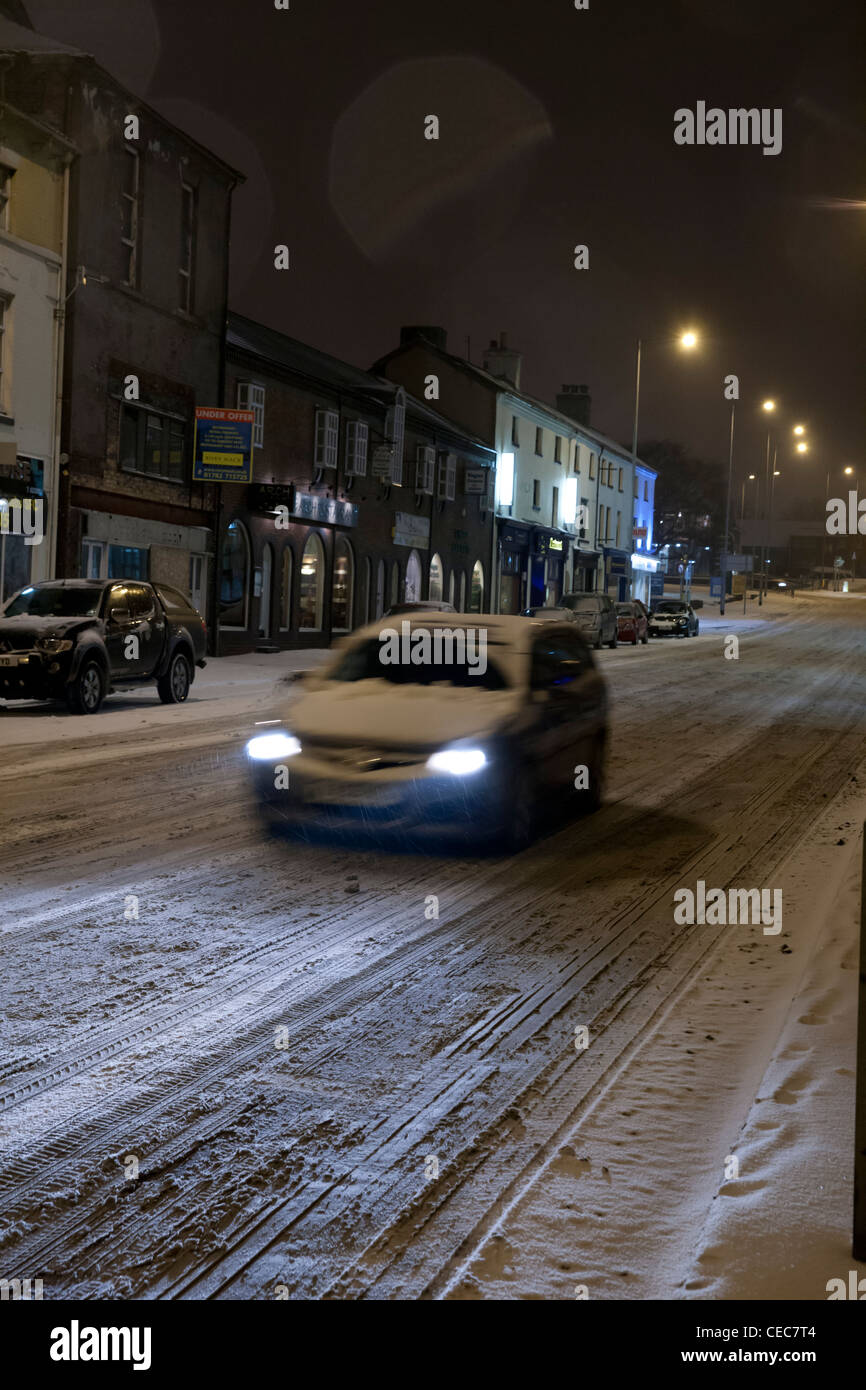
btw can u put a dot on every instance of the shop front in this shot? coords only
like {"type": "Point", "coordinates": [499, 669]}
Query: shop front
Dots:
{"type": "Point", "coordinates": [513, 567]}
{"type": "Point", "coordinates": [617, 573]}
{"type": "Point", "coordinates": [584, 571]}
{"type": "Point", "coordinates": [643, 568]}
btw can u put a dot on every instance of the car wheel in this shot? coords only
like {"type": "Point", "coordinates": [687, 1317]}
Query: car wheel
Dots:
{"type": "Point", "coordinates": [613, 641]}
{"type": "Point", "coordinates": [645, 638]}
{"type": "Point", "coordinates": [521, 816]}
{"type": "Point", "coordinates": [87, 691]}
{"type": "Point", "coordinates": [173, 687]}
{"type": "Point", "coordinates": [597, 644]}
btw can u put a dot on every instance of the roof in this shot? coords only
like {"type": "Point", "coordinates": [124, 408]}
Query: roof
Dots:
{"type": "Point", "coordinates": [271, 345]}
{"type": "Point", "coordinates": [501, 384]}
{"type": "Point", "coordinates": [500, 628]}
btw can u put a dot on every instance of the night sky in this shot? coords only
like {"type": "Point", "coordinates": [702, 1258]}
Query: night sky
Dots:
{"type": "Point", "coordinates": [556, 128]}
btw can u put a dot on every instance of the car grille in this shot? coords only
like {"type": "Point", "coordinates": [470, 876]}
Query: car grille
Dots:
{"type": "Point", "coordinates": [363, 758]}
{"type": "Point", "coordinates": [17, 641]}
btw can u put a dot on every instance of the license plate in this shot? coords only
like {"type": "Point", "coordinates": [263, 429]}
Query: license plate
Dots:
{"type": "Point", "coordinates": [9, 660]}
{"type": "Point", "coordinates": [326, 793]}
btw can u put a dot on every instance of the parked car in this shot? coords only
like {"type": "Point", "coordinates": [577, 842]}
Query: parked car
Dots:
{"type": "Point", "coordinates": [439, 745]}
{"type": "Point", "coordinates": [596, 616]}
{"type": "Point", "coordinates": [632, 622]}
{"type": "Point", "coordinates": [426, 605]}
{"type": "Point", "coordinates": [673, 617]}
{"type": "Point", "coordinates": [551, 612]}
{"type": "Point", "coordinates": [79, 639]}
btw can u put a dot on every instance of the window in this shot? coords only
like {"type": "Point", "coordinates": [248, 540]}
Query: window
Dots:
{"type": "Point", "coordinates": [127, 562]}
{"type": "Point", "coordinates": [395, 428]}
{"type": "Point", "coordinates": [620, 481]}
{"type": "Point", "coordinates": [412, 580]}
{"type": "Point", "coordinates": [5, 393]}
{"type": "Point", "coordinates": [618, 526]}
{"type": "Point", "coordinates": [172, 599]}
{"type": "Point", "coordinates": [234, 577]}
{"type": "Point", "coordinates": [341, 586]}
{"type": "Point", "coordinates": [436, 586]}
{"type": "Point", "coordinates": [92, 558]}
{"type": "Point", "coordinates": [251, 396]}
{"type": "Point", "coordinates": [327, 437]}
{"type": "Point", "coordinates": [539, 441]}
{"type": "Point", "coordinates": [447, 477]}
{"type": "Point", "coordinates": [536, 495]}
{"type": "Point", "coordinates": [287, 570]}
{"type": "Point", "coordinates": [153, 444]}
{"type": "Point", "coordinates": [476, 589]}
{"type": "Point", "coordinates": [6, 176]}
{"type": "Point", "coordinates": [197, 575]}
{"type": "Point", "coordinates": [557, 449]}
{"type": "Point", "coordinates": [425, 469]}
{"type": "Point", "coordinates": [357, 436]}
{"type": "Point", "coordinates": [646, 492]}
{"type": "Point", "coordinates": [129, 212]}
{"type": "Point", "coordinates": [554, 510]}
{"type": "Point", "coordinates": [186, 265]}
{"type": "Point", "coordinates": [142, 606]}
{"type": "Point", "coordinates": [591, 467]}
{"type": "Point", "coordinates": [395, 583]}
{"type": "Point", "coordinates": [312, 583]}
{"type": "Point", "coordinates": [557, 661]}
{"type": "Point", "coordinates": [515, 432]}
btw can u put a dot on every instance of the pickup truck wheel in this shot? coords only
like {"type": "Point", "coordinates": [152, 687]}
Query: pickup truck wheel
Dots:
{"type": "Point", "coordinates": [174, 686]}
{"type": "Point", "coordinates": [87, 690]}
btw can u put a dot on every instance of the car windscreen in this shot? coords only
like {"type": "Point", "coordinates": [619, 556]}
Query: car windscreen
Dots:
{"type": "Point", "coordinates": [369, 662]}
{"type": "Point", "coordinates": [670, 608]}
{"type": "Point", "coordinates": [583, 605]}
{"type": "Point", "coordinates": [626, 610]}
{"type": "Point", "coordinates": [173, 600]}
{"type": "Point", "coordinates": [54, 602]}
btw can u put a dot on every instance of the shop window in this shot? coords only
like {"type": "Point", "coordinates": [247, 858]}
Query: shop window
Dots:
{"type": "Point", "coordinates": [412, 587]}
{"type": "Point", "coordinates": [476, 591]}
{"type": "Point", "coordinates": [234, 577]}
{"type": "Point", "coordinates": [341, 586]}
{"type": "Point", "coordinates": [312, 584]}
{"type": "Point", "coordinates": [395, 584]}
{"type": "Point", "coordinates": [92, 559]}
{"type": "Point", "coordinates": [127, 562]}
{"type": "Point", "coordinates": [436, 585]}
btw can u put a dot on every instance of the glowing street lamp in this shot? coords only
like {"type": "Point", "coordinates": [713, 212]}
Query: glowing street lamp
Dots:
{"type": "Point", "coordinates": [799, 429]}
{"type": "Point", "coordinates": [769, 405]}
{"type": "Point", "coordinates": [689, 339]}
{"type": "Point", "coordinates": [802, 448]}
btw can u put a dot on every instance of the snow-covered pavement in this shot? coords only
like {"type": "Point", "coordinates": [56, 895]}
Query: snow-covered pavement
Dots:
{"type": "Point", "coordinates": [243, 1067]}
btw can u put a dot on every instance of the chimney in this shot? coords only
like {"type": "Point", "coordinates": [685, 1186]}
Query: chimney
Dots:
{"type": "Point", "coordinates": [576, 403]}
{"type": "Point", "coordinates": [410, 332]}
{"type": "Point", "coordinates": [502, 361]}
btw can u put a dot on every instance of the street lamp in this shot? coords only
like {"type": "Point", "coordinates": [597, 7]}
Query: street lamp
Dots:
{"type": "Point", "coordinates": [687, 340]}
{"type": "Point", "coordinates": [799, 429]}
{"type": "Point", "coordinates": [802, 448]}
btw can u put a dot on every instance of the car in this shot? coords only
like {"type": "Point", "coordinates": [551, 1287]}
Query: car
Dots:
{"type": "Point", "coordinates": [551, 612]}
{"type": "Point", "coordinates": [446, 745]}
{"type": "Point", "coordinates": [673, 617]}
{"type": "Point", "coordinates": [427, 605]}
{"type": "Point", "coordinates": [596, 616]}
{"type": "Point", "coordinates": [78, 640]}
{"type": "Point", "coordinates": [631, 621]}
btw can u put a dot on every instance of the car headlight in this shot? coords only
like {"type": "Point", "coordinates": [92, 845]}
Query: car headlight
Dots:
{"type": "Point", "coordinates": [54, 644]}
{"type": "Point", "coordinates": [271, 748]}
{"type": "Point", "coordinates": [457, 761]}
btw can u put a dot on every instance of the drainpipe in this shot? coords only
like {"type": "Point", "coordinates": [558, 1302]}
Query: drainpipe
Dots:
{"type": "Point", "coordinates": [59, 348]}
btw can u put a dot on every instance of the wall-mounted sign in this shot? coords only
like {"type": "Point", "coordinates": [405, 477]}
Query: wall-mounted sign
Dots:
{"type": "Point", "coordinates": [475, 480]}
{"type": "Point", "coordinates": [639, 533]}
{"type": "Point", "coordinates": [554, 544]}
{"type": "Point", "coordinates": [411, 530]}
{"type": "Point", "coordinates": [327, 509]}
{"type": "Point", "coordinates": [266, 497]}
{"type": "Point", "coordinates": [223, 445]}
{"type": "Point", "coordinates": [380, 464]}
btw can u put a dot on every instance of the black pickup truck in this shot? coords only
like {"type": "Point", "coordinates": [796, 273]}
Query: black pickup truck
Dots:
{"type": "Point", "coordinates": [79, 639]}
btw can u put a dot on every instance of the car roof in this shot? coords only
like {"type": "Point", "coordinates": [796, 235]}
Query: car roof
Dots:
{"type": "Point", "coordinates": [75, 583]}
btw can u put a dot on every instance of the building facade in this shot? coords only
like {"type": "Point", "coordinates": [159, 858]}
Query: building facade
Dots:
{"type": "Point", "coordinates": [362, 497]}
{"type": "Point", "coordinates": [145, 304]}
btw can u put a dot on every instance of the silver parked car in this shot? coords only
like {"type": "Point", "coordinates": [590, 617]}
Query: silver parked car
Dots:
{"type": "Point", "coordinates": [596, 615]}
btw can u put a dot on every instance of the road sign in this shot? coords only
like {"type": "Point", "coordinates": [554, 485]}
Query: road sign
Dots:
{"type": "Point", "coordinates": [223, 445]}
{"type": "Point", "coordinates": [738, 563]}
{"type": "Point", "coordinates": [715, 586]}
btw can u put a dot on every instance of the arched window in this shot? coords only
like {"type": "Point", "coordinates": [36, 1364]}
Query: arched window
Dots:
{"type": "Point", "coordinates": [235, 577]}
{"type": "Point", "coordinates": [267, 580]}
{"type": "Point", "coordinates": [380, 589]}
{"type": "Point", "coordinates": [395, 583]}
{"type": "Point", "coordinates": [476, 592]}
{"type": "Point", "coordinates": [286, 574]}
{"type": "Point", "coordinates": [342, 584]}
{"type": "Point", "coordinates": [312, 584]}
{"type": "Point", "coordinates": [412, 586]}
{"type": "Point", "coordinates": [437, 580]}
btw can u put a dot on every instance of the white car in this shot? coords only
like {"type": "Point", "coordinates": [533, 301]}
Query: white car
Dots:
{"type": "Point", "coordinates": [417, 727]}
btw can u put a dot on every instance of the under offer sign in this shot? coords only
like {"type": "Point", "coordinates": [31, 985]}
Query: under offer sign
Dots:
{"type": "Point", "coordinates": [223, 445]}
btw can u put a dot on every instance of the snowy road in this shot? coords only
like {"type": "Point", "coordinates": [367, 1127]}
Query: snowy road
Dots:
{"type": "Point", "coordinates": [240, 1067]}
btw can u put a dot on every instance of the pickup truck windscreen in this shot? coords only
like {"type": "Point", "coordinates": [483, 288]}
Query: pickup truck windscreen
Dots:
{"type": "Point", "coordinates": [54, 602]}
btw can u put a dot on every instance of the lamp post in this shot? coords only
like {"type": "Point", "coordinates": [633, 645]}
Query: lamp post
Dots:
{"type": "Point", "coordinates": [769, 406]}
{"type": "Point", "coordinates": [727, 515]}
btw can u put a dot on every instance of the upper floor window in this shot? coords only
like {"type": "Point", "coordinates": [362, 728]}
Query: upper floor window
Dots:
{"type": "Point", "coordinates": [327, 438]}
{"type": "Point", "coordinates": [591, 467]}
{"type": "Point", "coordinates": [130, 215]}
{"type": "Point", "coordinates": [447, 477]}
{"type": "Point", "coordinates": [186, 267]}
{"type": "Point", "coordinates": [515, 432]}
{"type": "Point", "coordinates": [357, 435]}
{"type": "Point", "coordinates": [424, 469]}
{"type": "Point", "coordinates": [646, 492]}
{"type": "Point", "coordinates": [539, 441]}
{"type": "Point", "coordinates": [6, 176]}
{"type": "Point", "coordinates": [152, 443]}
{"type": "Point", "coordinates": [5, 402]}
{"type": "Point", "coordinates": [251, 396]}
{"type": "Point", "coordinates": [620, 487]}
{"type": "Point", "coordinates": [557, 448]}
{"type": "Point", "coordinates": [395, 428]}
{"type": "Point", "coordinates": [536, 493]}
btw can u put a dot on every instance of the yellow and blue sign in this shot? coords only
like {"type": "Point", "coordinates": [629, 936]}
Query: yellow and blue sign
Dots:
{"type": "Point", "coordinates": [223, 445]}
